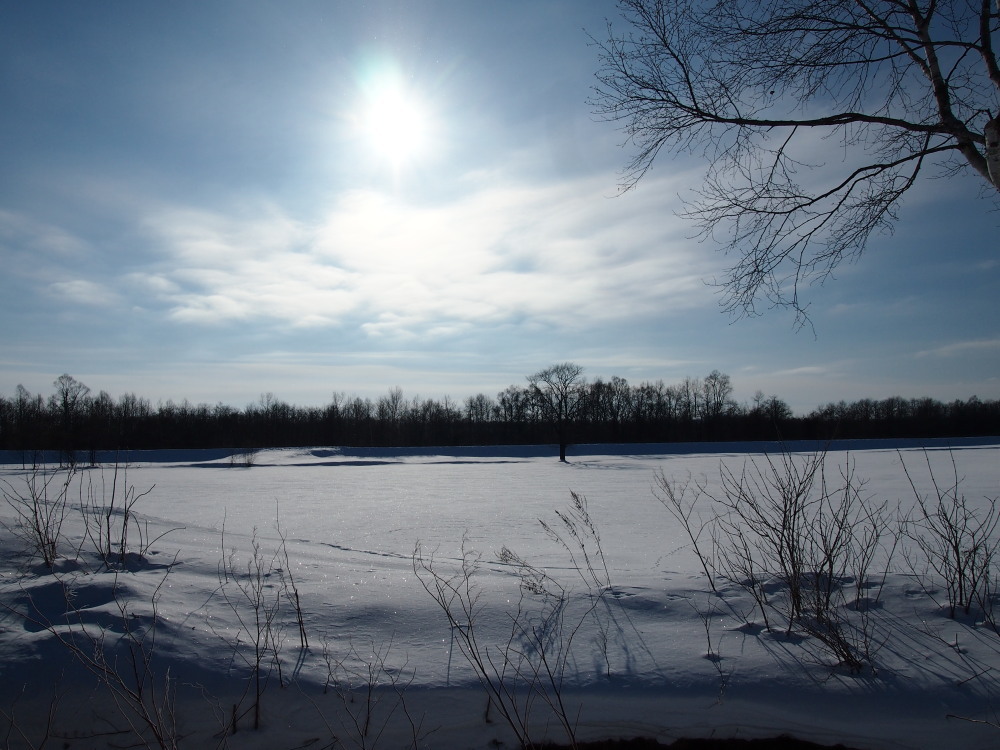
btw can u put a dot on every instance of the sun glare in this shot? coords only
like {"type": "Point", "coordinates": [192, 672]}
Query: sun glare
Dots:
{"type": "Point", "coordinates": [394, 122]}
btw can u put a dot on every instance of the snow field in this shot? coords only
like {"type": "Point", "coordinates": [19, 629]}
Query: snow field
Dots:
{"type": "Point", "coordinates": [350, 526]}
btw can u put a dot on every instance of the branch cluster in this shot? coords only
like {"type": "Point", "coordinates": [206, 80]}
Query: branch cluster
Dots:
{"type": "Point", "coordinates": [815, 117]}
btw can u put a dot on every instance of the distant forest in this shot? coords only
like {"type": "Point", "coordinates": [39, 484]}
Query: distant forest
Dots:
{"type": "Point", "coordinates": [598, 411]}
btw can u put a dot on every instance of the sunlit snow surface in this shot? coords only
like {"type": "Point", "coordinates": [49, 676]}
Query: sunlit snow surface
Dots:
{"type": "Point", "coordinates": [352, 521]}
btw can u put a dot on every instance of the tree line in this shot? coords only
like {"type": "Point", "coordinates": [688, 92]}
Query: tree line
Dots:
{"type": "Point", "coordinates": [556, 405]}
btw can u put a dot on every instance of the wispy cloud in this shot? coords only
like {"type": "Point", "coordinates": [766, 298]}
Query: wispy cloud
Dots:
{"type": "Point", "coordinates": [21, 232]}
{"type": "Point", "coordinates": [83, 292]}
{"type": "Point", "coordinates": [960, 348]}
{"type": "Point", "coordinates": [815, 370]}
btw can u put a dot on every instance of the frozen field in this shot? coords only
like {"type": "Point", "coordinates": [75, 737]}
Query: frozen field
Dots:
{"type": "Point", "coordinates": [656, 653]}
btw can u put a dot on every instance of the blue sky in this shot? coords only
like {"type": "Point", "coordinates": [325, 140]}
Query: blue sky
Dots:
{"type": "Point", "coordinates": [208, 201]}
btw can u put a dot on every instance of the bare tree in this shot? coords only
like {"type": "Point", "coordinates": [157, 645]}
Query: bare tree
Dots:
{"type": "Point", "coordinates": [558, 392]}
{"type": "Point", "coordinates": [68, 402]}
{"type": "Point", "coordinates": [70, 394]}
{"type": "Point", "coordinates": [717, 391]}
{"type": "Point", "coordinates": [757, 87]}
{"type": "Point", "coordinates": [479, 409]}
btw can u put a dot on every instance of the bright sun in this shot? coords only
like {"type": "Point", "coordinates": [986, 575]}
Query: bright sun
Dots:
{"type": "Point", "coordinates": [394, 122]}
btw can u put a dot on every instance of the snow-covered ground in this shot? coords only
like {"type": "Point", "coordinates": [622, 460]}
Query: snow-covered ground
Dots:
{"type": "Point", "coordinates": [658, 654]}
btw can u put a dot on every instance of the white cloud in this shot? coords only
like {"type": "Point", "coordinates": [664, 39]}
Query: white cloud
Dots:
{"type": "Point", "coordinates": [563, 254]}
{"type": "Point", "coordinates": [216, 239]}
{"type": "Point", "coordinates": [247, 265]}
{"type": "Point", "coordinates": [83, 292]}
{"type": "Point", "coordinates": [151, 283]}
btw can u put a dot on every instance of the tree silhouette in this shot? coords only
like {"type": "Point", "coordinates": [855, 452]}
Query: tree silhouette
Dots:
{"type": "Point", "coordinates": [68, 402]}
{"type": "Point", "coordinates": [761, 88]}
{"type": "Point", "coordinates": [558, 393]}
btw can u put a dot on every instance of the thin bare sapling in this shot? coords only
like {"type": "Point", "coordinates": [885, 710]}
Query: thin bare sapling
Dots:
{"type": "Point", "coordinates": [770, 505]}
{"type": "Point", "coordinates": [673, 495]}
{"type": "Point", "coordinates": [578, 535]}
{"type": "Point", "coordinates": [289, 586]}
{"type": "Point", "coordinates": [543, 630]}
{"type": "Point", "coordinates": [255, 588]}
{"type": "Point", "coordinates": [713, 651]}
{"type": "Point", "coordinates": [955, 539]}
{"type": "Point", "coordinates": [459, 595]}
{"type": "Point", "coordinates": [259, 589]}
{"type": "Point", "coordinates": [533, 659]}
{"type": "Point", "coordinates": [371, 691]}
{"type": "Point", "coordinates": [109, 512]}
{"type": "Point", "coordinates": [793, 538]}
{"type": "Point", "coordinates": [40, 510]}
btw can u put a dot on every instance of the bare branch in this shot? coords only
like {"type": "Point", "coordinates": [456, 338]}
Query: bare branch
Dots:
{"type": "Point", "coordinates": [750, 85]}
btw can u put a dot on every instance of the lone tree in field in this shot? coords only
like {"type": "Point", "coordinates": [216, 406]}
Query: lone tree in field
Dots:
{"type": "Point", "coordinates": [558, 391]}
{"type": "Point", "coordinates": [816, 117]}
{"type": "Point", "coordinates": [69, 402]}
